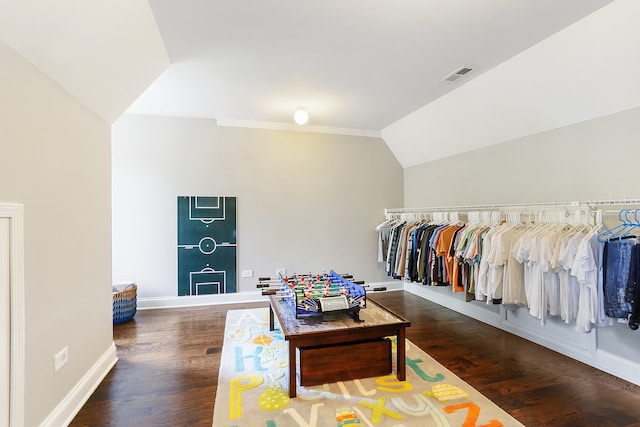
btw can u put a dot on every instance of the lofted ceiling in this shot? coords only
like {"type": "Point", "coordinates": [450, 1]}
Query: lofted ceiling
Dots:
{"type": "Point", "coordinates": [359, 67]}
{"type": "Point", "coordinates": [355, 65]}
{"type": "Point", "coordinates": [104, 53]}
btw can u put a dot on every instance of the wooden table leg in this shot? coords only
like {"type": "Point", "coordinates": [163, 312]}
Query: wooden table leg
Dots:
{"type": "Point", "coordinates": [271, 321]}
{"type": "Point", "coordinates": [292, 369]}
{"type": "Point", "coordinates": [401, 361]}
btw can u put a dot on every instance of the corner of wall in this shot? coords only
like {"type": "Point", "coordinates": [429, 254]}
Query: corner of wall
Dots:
{"type": "Point", "coordinates": [68, 408]}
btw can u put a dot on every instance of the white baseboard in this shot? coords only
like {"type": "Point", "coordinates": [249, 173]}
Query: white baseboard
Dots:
{"type": "Point", "coordinates": [69, 407]}
{"type": "Point", "coordinates": [618, 366]}
{"type": "Point", "coordinates": [445, 297]}
{"type": "Point", "coordinates": [235, 298]}
{"type": "Point", "coordinates": [198, 300]}
{"type": "Point", "coordinates": [583, 354]}
{"type": "Point", "coordinates": [622, 368]}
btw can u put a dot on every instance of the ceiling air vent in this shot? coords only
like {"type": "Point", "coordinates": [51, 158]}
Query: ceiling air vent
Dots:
{"type": "Point", "coordinates": [457, 74]}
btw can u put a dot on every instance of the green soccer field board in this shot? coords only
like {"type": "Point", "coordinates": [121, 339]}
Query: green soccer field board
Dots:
{"type": "Point", "coordinates": [206, 245]}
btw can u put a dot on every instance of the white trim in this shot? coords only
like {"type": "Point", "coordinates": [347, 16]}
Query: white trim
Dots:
{"type": "Point", "coordinates": [298, 128]}
{"type": "Point", "coordinates": [199, 300]}
{"type": "Point", "coordinates": [599, 359]}
{"type": "Point", "coordinates": [453, 302]}
{"type": "Point", "coordinates": [69, 407]}
{"type": "Point", "coordinates": [618, 366]}
{"type": "Point", "coordinates": [584, 354]}
{"type": "Point", "coordinates": [15, 213]}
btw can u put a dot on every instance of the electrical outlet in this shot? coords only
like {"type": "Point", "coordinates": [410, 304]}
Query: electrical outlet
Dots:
{"type": "Point", "coordinates": [60, 359]}
{"type": "Point", "coordinates": [247, 273]}
{"type": "Point", "coordinates": [282, 271]}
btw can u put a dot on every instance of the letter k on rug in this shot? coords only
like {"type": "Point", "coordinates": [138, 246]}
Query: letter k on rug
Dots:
{"type": "Point", "coordinates": [253, 389]}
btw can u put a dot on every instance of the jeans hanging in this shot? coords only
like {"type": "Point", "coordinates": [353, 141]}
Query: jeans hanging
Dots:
{"type": "Point", "coordinates": [617, 259]}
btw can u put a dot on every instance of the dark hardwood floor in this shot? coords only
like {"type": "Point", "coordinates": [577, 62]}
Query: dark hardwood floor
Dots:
{"type": "Point", "coordinates": [169, 361]}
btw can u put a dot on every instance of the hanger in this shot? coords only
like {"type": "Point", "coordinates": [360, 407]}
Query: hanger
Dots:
{"type": "Point", "coordinates": [618, 230]}
{"type": "Point", "coordinates": [581, 224]}
{"type": "Point", "coordinates": [632, 225]}
{"type": "Point", "coordinates": [598, 221]}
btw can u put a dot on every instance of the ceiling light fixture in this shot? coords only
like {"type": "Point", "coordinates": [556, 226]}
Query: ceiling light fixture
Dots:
{"type": "Point", "coordinates": [301, 116]}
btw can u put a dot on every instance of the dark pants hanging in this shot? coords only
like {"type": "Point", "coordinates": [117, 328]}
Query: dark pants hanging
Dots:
{"type": "Point", "coordinates": [633, 288]}
{"type": "Point", "coordinates": [617, 255]}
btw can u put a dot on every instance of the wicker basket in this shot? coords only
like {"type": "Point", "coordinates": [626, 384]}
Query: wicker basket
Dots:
{"type": "Point", "coordinates": [124, 302]}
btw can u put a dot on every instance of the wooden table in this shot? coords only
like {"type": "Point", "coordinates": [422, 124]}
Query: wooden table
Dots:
{"type": "Point", "coordinates": [337, 330]}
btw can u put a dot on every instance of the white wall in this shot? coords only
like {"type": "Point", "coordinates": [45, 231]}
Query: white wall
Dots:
{"type": "Point", "coordinates": [306, 202]}
{"type": "Point", "coordinates": [55, 161]}
{"type": "Point", "coordinates": [596, 159]}
{"type": "Point", "coordinates": [589, 160]}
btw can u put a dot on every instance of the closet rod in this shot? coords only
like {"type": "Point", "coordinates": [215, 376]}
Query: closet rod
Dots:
{"type": "Point", "coordinates": [572, 204]}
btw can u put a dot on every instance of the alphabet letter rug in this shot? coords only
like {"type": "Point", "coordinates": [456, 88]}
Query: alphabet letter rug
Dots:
{"type": "Point", "coordinates": [253, 389]}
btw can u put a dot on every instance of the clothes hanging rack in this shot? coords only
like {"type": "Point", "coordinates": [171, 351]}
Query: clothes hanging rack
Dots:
{"type": "Point", "coordinates": [571, 205]}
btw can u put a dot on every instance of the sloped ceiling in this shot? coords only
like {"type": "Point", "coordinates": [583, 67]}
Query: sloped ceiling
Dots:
{"type": "Point", "coordinates": [588, 70]}
{"type": "Point", "coordinates": [356, 65]}
{"type": "Point", "coordinates": [363, 67]}
{"type": "Point", "coordinates": [104, 53]}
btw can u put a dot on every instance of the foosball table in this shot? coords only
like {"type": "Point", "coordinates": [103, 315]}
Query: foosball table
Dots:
{"type": "Point", "coordinates": [315, 294]}
{"type": "Point", "coordinates": [334, 331]}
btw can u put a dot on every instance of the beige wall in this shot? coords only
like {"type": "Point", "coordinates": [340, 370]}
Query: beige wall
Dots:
{"type": "Point", "coordinates": [306, 202]}
{"type": "Point", "coordinates": [55, 160]}
{"type": "Point", "coordinates": [590, 160]}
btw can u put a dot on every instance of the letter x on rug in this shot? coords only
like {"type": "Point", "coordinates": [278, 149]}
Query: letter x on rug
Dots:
{"type": "Point", "coordinates": [253, 389]}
